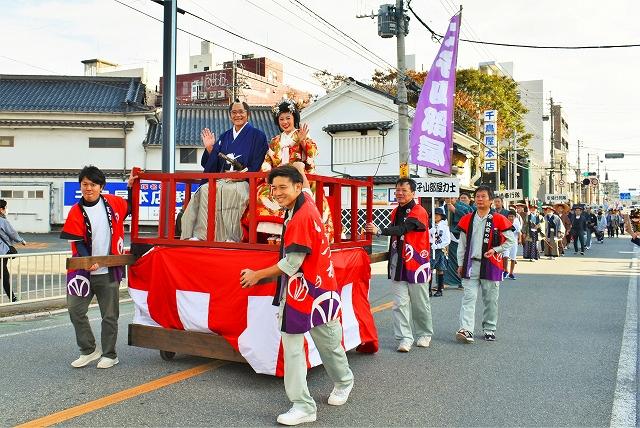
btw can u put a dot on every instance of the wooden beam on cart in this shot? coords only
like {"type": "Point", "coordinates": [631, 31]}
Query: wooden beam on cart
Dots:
{"type": "Point", "coordinates": [208, 345]}
{"type": "Point", "coordinates": [103, 261]}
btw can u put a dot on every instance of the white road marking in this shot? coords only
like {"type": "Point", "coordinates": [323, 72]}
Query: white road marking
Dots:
{"type": "Point", "coordinates": [623, 413]}
{"type": "Point", "coordinates": [49, 327]}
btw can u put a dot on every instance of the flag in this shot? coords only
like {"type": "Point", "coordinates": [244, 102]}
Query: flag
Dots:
{"type": "Point", "coordinates": [431, 137]}
{"type": "Point", "coordinates": [198, 289]}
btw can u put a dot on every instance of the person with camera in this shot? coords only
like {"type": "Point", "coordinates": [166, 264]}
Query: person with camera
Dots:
{"type": "Point", "coordinates": [8, 236]}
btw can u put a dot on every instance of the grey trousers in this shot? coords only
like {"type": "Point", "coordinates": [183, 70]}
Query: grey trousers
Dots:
{"type": "Point", "coordinates": [328, 340]}
{"type": "Point", "coordinates": [490, 292]}
{"type": "Point", "coordinates": [107, 294]}
{"type": "Point", "coordinates": [411, 306]}
{"type": "Point", "coordinates": [232, 198]}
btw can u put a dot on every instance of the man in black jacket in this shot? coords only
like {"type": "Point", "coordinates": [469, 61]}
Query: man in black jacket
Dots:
{"type": "Point", "coordinates": [579, 229]}
{"type": "Point", "coordinates": [592, 220]}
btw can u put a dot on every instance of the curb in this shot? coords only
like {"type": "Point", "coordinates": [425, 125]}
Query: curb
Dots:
{"type": "Point", "coordinates": [35, 315]}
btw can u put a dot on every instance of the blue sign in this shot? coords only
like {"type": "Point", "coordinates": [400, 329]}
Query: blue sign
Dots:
{"type": "Point", "coordinates": [149, 192]}
{"type": "Point", "coordinates": [625, 196]}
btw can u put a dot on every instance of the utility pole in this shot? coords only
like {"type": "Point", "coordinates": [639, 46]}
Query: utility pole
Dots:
{"type": "Point", "coordinates": [234, 79]}
{"type": "Point", "coordinates": [588, 186]}
{"type": "Point", "coordinates": [403, 110]}
{"type": "Point", "coordinates": [515, 161]}
{"type": "Point", "coordinates": [598, 188]}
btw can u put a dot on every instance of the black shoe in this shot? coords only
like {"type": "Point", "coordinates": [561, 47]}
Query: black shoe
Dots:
{"type": "Point", "coordinates": [437, 294]}
{"type": "Point", "coordinates": [582, 253]}
{"type": "Point", "coordinates": [14, 299]}
{"type": "Point", "coordinates": [490, 336]}
{"type": "Point", "coordinates": [460, 287]}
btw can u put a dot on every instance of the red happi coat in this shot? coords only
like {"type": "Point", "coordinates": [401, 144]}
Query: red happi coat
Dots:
{"type": "Point", "coordinates": [490, 268]}
{"type": "Point", "coordinates": [413, 248]}
{"type": "Point", "coordinates": [311, 294]}
{"type": "Point", "coordinates": [77, 227]}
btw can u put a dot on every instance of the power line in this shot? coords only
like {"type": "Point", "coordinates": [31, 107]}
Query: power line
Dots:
{"type": "Point", "coordinates": [520, 45]}
{"type": "Point", "coordinates": [336, 29]}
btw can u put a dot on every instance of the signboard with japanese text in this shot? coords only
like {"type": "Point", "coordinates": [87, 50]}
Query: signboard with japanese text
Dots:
{"type": "Point", "coordinates": [556, 198]}
{"type": "Point", "coordinates": [149, 196]}
{"type": "Point", "coordinates": [625, 196]}
{"type": "Point", "coordinates": [490, 165]}
{"type": "Point", "coordinates": [431, 138]}
{"type": "Point", "coordinates": [510, 194]}
{"type": "Point", "coordinates": [437, 187]}
{"type": "Point", "coordinates": [490, 128]}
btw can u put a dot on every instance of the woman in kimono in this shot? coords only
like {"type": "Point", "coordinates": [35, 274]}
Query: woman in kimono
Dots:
{"type": "Point", "coordinates": [291, 145]}
{"type": "Point", "coordinates": [532, 232]}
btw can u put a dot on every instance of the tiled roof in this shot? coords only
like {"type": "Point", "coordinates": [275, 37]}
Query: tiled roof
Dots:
{"type": "Point", "coordinates": [191, 119]}
{"type": "Point", "coordinates": [82, 94]}
{"type": "Point", "coordinates": [358, 126]}
{"type": "Point", "coordinates": [49, 123]}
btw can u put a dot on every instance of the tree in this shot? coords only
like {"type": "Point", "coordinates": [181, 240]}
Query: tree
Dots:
{"type": "Point", "coordinates": [329, 81]}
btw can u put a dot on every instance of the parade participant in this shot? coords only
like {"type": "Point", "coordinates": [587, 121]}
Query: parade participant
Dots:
{"type": "Point", "coordinates": [440, 237]}
{"type": "Point", "coordinates": [601, 226]}
{"type": "Point", "coordinates": [578, 229]}
{"type": "Point", "coordinates": [242, 148]}
{"type": "Point", "coordinates": [8, 236]}
{"type": "Point", "coordinates": [305, 259]}
{"type": "Point", "coordinates": [621, 221]}
{"type": "Point", "coordinates": [512, 252]}
{"type": "Point", "coordinates": [456, 209]}
{"type": "Point", "coordinates": [498, 206]}
{"type": "Point", "coordinates": [610, 223]}
{"type": "Point", "coordinates": [591, 226]}
{"type": "Point", "coordinates": [483, 239]}
{"type": "Point", "coordinates": [409, 267]}
{"type": "Point", "coordinates": [532, 231]}
{"type": "Point", "coordinates": [554, 232]}
{"type": "Point", "coordinates": [562, 211]}
{"type": "Point", "coordinates": [632, 224]}
{"type": "Point", "coordinates": [95, 227]}
{"type": "Point", "coordinates": [292, 145]}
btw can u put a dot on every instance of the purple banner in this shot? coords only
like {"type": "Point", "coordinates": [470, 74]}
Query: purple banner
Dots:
{"type": "Point", "coordinates": [431, 135]}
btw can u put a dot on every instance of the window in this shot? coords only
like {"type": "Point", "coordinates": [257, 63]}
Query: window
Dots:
{"type": "Point", "coordinates": [18, 194]}
{"type": "Point", "coordinates": [39, 194]}
{"type": "Point", "coordinates": [188, 156]}
{"type": "Point", "coordinates": [358, 149]}
{"type": "Point", "coordinates": [6, 141]}
{"type": "Point", "coordinates": [206, 69]}
{"type": "Point", "coordinates": [106, 143]}
{"type": "Point", "coordinates": [5, 194]}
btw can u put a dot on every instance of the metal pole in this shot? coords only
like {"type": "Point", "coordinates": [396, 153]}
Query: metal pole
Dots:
{"type": "Point", "coordinates": [169, 90]}
{"type": "Point", "coordinates": [403, 111]}
{"type": "Point", "coordinates": [598, 188]}
{"type": "Point", "coordinates": [552, 166]}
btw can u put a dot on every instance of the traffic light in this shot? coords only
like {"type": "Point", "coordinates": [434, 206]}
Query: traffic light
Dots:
{"type": "Point", "coordinates": [586, 182]}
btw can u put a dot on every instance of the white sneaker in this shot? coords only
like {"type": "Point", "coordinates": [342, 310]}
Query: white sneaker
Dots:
{"type": "Point", "coordinates": [295, 417]}
{"type": "Point", "coordinates": [339, 396]}
{"type": "Point", "coordinates": [83, 360]}
{"type": "Point", "coordinates": [424, 342]}
{"type": "Point", "coordinates": [405, 346]}
{"type": "Point", "coordinates": [106, 363]}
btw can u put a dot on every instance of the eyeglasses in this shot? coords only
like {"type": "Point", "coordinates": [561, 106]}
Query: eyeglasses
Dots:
{"type": "Point", "coordinates": [238, 112]}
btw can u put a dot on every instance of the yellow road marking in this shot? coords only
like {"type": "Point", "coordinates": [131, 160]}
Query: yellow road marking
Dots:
{"type": "Point", "coordinates": [65, 415]}
{"type": "Point", "coordinates": [382, 307]}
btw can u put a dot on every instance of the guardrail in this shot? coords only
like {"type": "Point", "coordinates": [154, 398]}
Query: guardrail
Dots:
{"type": "Point", "coordinates": [35, 277]}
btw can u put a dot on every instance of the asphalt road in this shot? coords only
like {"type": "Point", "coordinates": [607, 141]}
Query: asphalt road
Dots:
{"type": "Point", "coordinates": [554, 364]}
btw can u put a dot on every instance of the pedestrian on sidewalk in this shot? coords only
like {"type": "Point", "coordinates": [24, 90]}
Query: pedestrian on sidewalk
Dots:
{"type": "Point", "coordinates": [305, 259]}
{"type": "Point", "coordinates": [554, 233]}
{"type": "Point", "coordinates": [95, 227]}
{"type": "Point", "coordinates": [8, 236]}
{"type": "Point", "coordinates": [409, 267]}
{"type": "Point", "coordinates": [621, 221]}
{"type": "Point", "coordinates": [578, 229]}
{"type": "Point", "coordinates": [483, 239]}
{"type": "Point", "coordinates": [440, 238]}
{"type": "Point", "coordinates": [512, 253]}
{"type": "Point", "coordinates": [532, 232]}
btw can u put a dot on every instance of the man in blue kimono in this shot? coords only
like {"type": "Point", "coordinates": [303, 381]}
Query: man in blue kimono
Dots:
{"type": "Point", "coordinates": [243, 148]}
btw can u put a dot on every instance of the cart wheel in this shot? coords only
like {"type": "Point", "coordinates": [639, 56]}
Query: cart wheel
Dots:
{"type": "Point", "coordinates": [167, 355]}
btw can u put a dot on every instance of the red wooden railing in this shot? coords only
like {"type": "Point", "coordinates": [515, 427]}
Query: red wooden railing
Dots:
{"type": "Point", "coordinates": [166, 224]}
